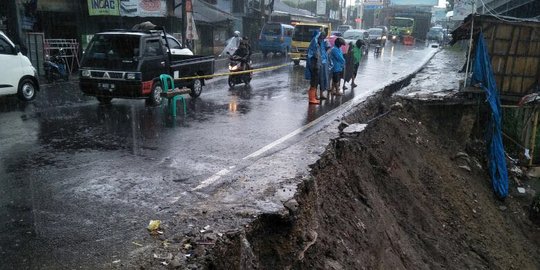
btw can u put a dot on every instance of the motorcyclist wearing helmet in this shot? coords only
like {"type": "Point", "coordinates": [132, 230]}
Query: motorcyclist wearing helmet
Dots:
{"type": "Point", "coordinates": [232, 44]}
{"type": "Point", "coordinates": [243, 53]}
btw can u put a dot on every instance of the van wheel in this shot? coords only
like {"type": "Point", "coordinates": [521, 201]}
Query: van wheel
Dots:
{"type": "Point", "coordinates": [296, 62]}
{"type": "Point", "coordinates": [27, 90]}
{"type": "Point", "coordinates": [196, 88]}
{"type": "Point", "coordinates": [155, 97]}
{"type": "Point", "coordinates": [104, 100]}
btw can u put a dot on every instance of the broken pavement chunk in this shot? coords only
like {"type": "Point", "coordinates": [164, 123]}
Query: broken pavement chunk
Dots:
{"type": "Point", "coordinates": [396, 106]}
{"type": "Point", "coordinates": [342, 126]}
{"type": "Point", "coordinates": [465, 167]}
{"type": "Point", "coordinates": [354, 128]}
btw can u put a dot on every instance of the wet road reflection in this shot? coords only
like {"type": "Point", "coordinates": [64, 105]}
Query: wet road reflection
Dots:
{"type": "Point", "coordinates": [77, 176]}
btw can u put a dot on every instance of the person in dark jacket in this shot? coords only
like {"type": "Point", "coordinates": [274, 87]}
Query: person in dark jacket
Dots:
{"type": "Point", "coordinates": [244, 52]}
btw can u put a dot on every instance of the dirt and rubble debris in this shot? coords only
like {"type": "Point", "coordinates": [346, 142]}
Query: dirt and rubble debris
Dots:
{"type": "Point", "coordinates": [391, 197]}
{"type": "Point", "coordinates": [534, 210]}
{"type": "Point", "coordinates": [382, 201]}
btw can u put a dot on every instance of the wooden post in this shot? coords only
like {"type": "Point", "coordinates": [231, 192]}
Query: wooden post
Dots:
{"type": "Point", "coordinates": [533, 136]}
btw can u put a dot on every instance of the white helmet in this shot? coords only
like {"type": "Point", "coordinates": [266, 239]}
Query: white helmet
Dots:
{"type": "Point", "coordinates": [236, 33]}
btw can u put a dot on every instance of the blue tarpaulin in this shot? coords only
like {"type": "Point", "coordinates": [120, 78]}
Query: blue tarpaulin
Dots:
{"type": "Point", "coordinates": [483, 75]}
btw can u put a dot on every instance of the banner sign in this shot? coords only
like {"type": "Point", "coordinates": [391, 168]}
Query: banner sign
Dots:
{"type": "Point", "coordinates": [373, 2]}
{"type": "Point", "coordinates": [103, 8]}
{"type": "Point", "coordinates": [368, 7]}
{"type": "Point", "coordinates": [414, 2]}
{"type": "Point", "coordinates": [191, 31]}
{"type": "Point", "coordinates": [52, 5]}
{"type": "Point", "coordinates": [143, 8]}
{"type": "Point", "coordinates": [321, 7]}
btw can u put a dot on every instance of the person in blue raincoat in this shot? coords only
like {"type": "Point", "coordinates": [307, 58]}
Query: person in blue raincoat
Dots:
{"type": "Point", "coordinates": [317, 66]}
{"type": "Point", "coordinates": [338, 61]}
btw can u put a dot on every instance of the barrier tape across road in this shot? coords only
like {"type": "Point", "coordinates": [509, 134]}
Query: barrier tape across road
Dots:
{"type": "Point", "coordinates": [231, 73]}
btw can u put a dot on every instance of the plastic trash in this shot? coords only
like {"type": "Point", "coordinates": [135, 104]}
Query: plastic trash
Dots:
{"type": "Point", "coordinates": [153, 225]}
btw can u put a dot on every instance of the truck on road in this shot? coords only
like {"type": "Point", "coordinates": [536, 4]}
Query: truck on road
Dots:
{"type": "Point", "coordinates": [400, 27]}
{"type": "Point", "coordinates": [128, 64]}
{"type": "Point", "coordinates": [409, 24]}
{"type": "Point", "coordinates": [303, 33]}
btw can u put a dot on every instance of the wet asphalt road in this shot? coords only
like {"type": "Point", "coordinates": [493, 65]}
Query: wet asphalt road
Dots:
{"type": "Point", "coordinates": [80, 181]}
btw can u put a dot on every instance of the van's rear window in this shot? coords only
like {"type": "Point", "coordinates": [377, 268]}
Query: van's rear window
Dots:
{"type": "Point", "coordinates": [305, 32]}
{"type": "Point", "coordinates": [272, 29]}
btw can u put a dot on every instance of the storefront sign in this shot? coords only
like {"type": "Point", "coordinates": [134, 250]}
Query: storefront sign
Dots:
{"type": "Point", "coordinates": [103, 7]}
{"type": "Point", "coordinates": [414, 2]}
{"type": "Point", "coordinates": [143, 8]}
{"type": "Point", "coordinates": [54, 5]}
{"type": "Point", "coordinates": [370, 7]}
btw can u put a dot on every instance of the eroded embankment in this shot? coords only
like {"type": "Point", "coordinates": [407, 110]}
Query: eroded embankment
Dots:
{"type": "Point", "coordinates": [402, 194]}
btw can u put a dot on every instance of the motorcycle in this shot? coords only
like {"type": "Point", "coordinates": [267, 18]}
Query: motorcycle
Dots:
{"type": "Point", "coordinates": [239, 64]}
{"type": "Point", "coordinates": [55, 67]}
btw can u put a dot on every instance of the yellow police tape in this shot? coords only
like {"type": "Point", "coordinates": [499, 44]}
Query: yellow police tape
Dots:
{"type": "Point", "coordinates": [235, 73]}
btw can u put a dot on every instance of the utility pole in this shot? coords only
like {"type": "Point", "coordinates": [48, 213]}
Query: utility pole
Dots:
{"type": "Point", "coordinates": [184, 23]}
{"type": "Point", "coordinates": [263, 12]}
{"type": "Point", "coordinates": [470, 43]}
{"type": "Point", "coordinates": [360, 12]}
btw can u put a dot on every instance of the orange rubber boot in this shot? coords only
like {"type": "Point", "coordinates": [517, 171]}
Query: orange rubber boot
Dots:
{"type": "Point", "coordinates": [312, 94]}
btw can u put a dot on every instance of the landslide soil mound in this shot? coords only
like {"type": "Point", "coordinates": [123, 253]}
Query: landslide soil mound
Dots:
{"type": "Point", "coordinates": [399, 195]}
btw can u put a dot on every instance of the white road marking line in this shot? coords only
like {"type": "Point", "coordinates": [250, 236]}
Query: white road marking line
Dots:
{"type": "Point", "coordinates": [357, 98]}
{"type": "Point", "coordinates": [212, 179]}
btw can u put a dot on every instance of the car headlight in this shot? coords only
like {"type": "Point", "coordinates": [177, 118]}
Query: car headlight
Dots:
{"type": "Point", "coordinates": [85, 73]}
{"type": "Point", "coordinates": [234, 68]}
{"type": "Point", "coordinates": [133, 76]}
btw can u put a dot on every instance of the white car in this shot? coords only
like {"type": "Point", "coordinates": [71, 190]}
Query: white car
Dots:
{"type": "Point", "coordinates": [18, 76]}
{"type": "Point", "coordinates": [355, 34]}
{"type": "Point", "coordinates": [377, 36]}
{"type": "Point", "coordinates": [176, 46]}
